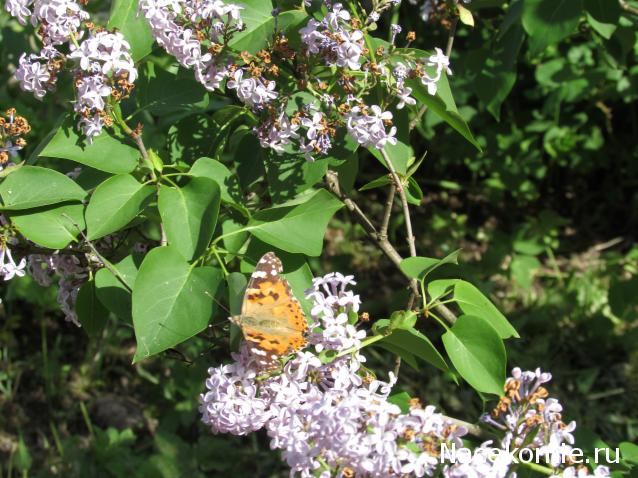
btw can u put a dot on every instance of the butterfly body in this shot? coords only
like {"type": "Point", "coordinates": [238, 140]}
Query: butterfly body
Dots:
{"type": "Point", "coordinates": [271, 318]}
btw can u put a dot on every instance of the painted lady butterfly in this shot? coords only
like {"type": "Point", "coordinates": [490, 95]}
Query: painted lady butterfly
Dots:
{"type": "Point", "coordinates": [271, 319]}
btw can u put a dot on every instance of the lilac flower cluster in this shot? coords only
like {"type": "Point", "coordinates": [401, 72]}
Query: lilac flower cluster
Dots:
{"type": "Point", "coordinates": [71, 276]}
{"type": "Point", "coordinates": [328, 419]}
{"type": "Point", "coordinates": [334, 39]}
{"type": "Point", "coordinates": [199, 35]}
{"type": "Point", "coordinates": [102, 66]}
{"type": "Point", "coordinates": [13, 128]}
{"type": "Point", "coordinates": [526, 418]}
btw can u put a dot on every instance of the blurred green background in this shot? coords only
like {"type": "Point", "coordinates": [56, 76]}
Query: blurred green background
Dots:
{"type": "Point", "coordinates": [546, 215]}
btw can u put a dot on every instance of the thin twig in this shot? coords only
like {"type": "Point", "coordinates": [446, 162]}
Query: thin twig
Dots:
{"type": "Point", "coordinates": [332, 180]}
{"type": "Point", "coordinates": [404, 202]}
{"type": "Point", "coordinates": [385, 223]}
{"type": "Point", "coordinates": [628, 8]}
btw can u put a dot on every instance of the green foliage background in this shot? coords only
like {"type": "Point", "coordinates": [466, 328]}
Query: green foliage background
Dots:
{"type": "Point", "coordinates": [546, 216]}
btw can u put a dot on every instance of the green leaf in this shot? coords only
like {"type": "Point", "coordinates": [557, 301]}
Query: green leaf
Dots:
{"type": "Point", "coordinates": [523, 269]}
{"type": "Point", "coordinates": [23, 457]}
{"type": "Point", "coordinates": [443, 105]}
{"type": "Point", "coordinates": [629, 452]}
{"type": "Point", "coordinates": [90, 311]}
{"type": "Point", "coordinates": [114, 204]}
{"type": "Point", "coordinates": [172, 301]}
{"type": "Point", "coordinates": [497, 77]}
{"type": "Point", "coordinates": [406, 356]}
{"type": "Point", "coordinates": [162, 92]}
{"type": "Point", "coordinates": [465, 15]}
{"type": "Point", "coordinates": [420, 267]}
{"type": "Point", "coordinates": [402, 400]}
{"type": "Point", "coordinates": [189, 215]}
{"type": "Point", "coordinates": [290, 175]}
{"type": "Point", "coordinates": [228, 183]}
{"type": "Point", "coordinates": [236, 283]}
{"type": "Point", "coordinates": [603, 16]}
{"type": "Point", "coordinates": [417, 344]}
{"type": "Point", "coordinates": [125, 17]}
{"type": "Point", "coordinates": [549, 21]}
{"type": "Point", "coordinates": [260, 25]}
{"type": "Point", "coordinates": [115, 295]}
{"type": "Point", "coordinates": [296, 228]}
{"type": "Point", "coordinates": [105, 153]}
{"type": "Point", "coordinates": [477, 352]}
{"type": "Point", "coordinates": [472, 302]}
{"type": "Point", "coordinates": [54, 227]}
{"type": "Point", "coordinates": [32, 186]}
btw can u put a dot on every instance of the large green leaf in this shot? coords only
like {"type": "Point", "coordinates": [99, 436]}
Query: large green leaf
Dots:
{"type": "Point", "coordinates": [125, 17]}
{"type": "Point", "coordinates": [32, 186]}
{"type": "Point", "coordinates": [416, 344]}
{"type": "Point", "coordinates": [290, 175]}
{"type": "Point", "coordinates": [218, 172]}
{"type": "Point", "coordinates": [473, 302]}
{"type": "Point", "coordinates": [115, 203]}
{"type": "Point", "coordinates": [261, 25]}
{"type": "Point", "coordinates": [189, 215]}
{"type": "Point", "coordinates": [477, 352]}
{"type": "Point", "coordinates": [299, 227]}
{"type": "Point", "coordinates": [105, 153]}
{"type": "Point", "coordinates": [442, 104]}
{"type": "Point", "coordinates": [172, 300]}
{"type": "Point", "coordinates": [549, 21]}
{"type": "Point", "coordinates": [163, 92]}
{"type": "Point", "coordinates": [54, 227]}
{"type": "Point", "coordinates": [90, 311]}
{"type": "Point", "coordinates": [115, 291]}
{"type": "Point", "coordinates": [419, 267]}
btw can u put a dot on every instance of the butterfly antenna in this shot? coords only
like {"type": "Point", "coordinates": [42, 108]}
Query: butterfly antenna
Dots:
{"type": "Point", "coordinates": [216, 301]}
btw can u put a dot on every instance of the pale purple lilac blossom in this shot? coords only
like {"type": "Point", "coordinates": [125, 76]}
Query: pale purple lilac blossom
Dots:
{"type": "Point", "coordinates": [326, 418]}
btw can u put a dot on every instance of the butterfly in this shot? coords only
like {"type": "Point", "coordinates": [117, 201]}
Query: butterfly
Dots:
{"type": "Point", "coordinates": [271, 319]}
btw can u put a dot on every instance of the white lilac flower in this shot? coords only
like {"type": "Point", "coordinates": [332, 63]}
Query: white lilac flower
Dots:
{"type": "Point", "coordinates": [368, 127]}
{"type": "Point", "coordinates": [33, 75]}
{"type": "Point", "coordinates": [19, 9]}
{"type": "Point", "coordinates": [442, 63]}
{"type": "Point", "coordinates": [169, 28]}
{"type": "Point", "coordinates": [276, 133]}
{"type": "Point", "coordinates": [254, 92]}
{"type": "Point", "coordinates": [8, 267]}
{"type": "Point", "coordinates": [105, 53]}
{"type": "Point", "coordinates": [403, 94]}
{"type": "Point", "coordinates": [334, 39]}
{"type": "Point", "coordinates": [60, 19]}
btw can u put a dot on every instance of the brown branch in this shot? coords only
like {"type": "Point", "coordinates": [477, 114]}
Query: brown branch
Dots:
{"type": "Point", "coordinates": [628, 8]}
{"type": "Point", "coordinates": [404, 203]}
{"type": "Point", "coordinates": [385, 223]}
